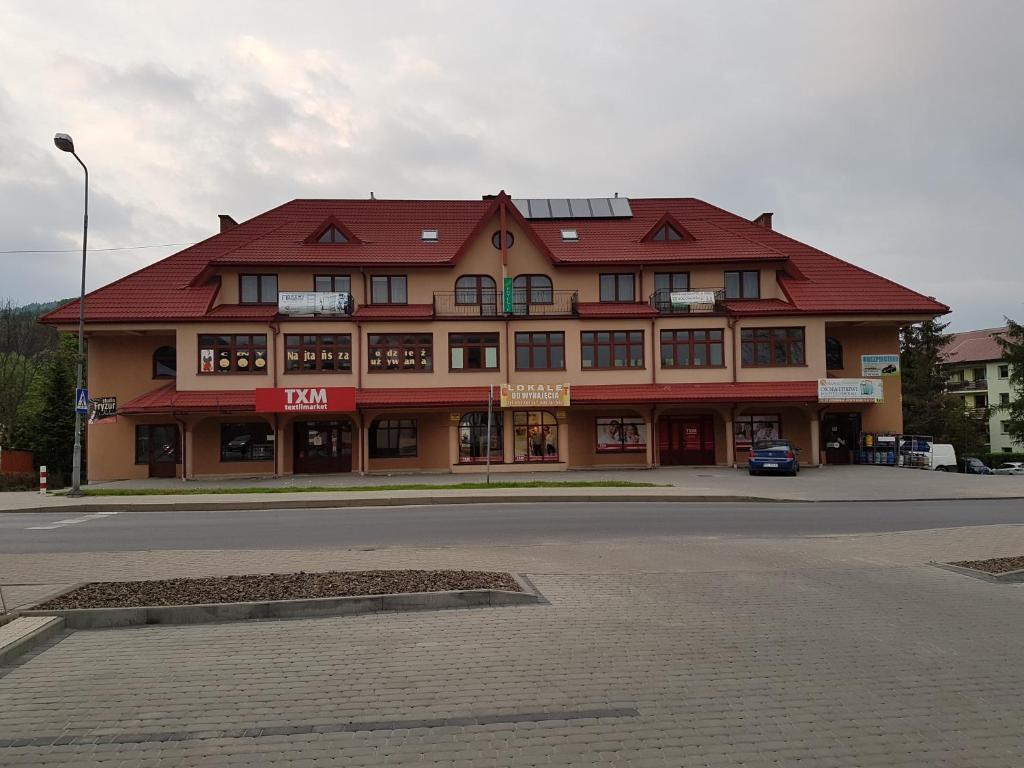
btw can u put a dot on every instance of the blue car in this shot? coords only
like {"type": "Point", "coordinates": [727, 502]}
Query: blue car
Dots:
{"type": "Point", "coordinates": [778, 456]}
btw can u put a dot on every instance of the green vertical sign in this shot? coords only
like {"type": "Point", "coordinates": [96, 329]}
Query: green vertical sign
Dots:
{"type": "Point", "coordinates": [508, 295]}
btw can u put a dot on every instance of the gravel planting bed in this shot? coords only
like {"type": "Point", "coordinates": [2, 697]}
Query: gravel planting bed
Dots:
{"type": "Point", "coordinates": [994, 565]}
{"type": "Point", "coordinates": [274, 586]}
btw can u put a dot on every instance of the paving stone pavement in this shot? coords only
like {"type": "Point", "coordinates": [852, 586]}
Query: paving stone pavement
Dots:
{"type": "Point", "coordinates": [828, 651]}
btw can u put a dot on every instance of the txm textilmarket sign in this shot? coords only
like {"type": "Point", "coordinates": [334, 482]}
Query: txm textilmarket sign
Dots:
{"type": "Point", "coordinates": [305, 399]}
{"type": "Point", "coordinates": [527, 395]}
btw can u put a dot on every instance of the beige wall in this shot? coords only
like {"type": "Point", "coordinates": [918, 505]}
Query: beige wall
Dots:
{"type": "Point", "coordinates": [870, 339]}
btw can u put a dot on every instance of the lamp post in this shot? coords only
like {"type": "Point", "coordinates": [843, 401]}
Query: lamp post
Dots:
{"type": "Point", "coordinates": [65, 144]}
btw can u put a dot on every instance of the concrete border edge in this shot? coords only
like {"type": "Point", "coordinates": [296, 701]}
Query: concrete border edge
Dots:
{"type": "Point", "coordinates": [37, 636]}
{"type": "Point", "coordinates": [1008, 577]}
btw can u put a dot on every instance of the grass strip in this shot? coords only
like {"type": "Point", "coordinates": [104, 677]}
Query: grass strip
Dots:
{"type": "Point", "coordinates": [358, 488]}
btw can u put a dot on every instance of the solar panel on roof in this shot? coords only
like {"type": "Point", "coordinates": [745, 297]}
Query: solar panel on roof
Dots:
{"type": "Point", "coordinates": [620, 206]}
{"type": "Point", "coordinates": [600, 206]}
{"type": "Point", "coordinates": [539, 209]}
{"type": "Point", "coordinates": [580, 208]}
{"type": "Point", "coordinates": [575, 208]}
{"type": "Point", "coordinates": [560, 209]}
{"type": "Point", "coordinates": [522, 205]}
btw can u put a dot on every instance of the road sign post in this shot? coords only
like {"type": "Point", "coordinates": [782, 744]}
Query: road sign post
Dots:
{"type": "Point", "coordinates": [81, 400]}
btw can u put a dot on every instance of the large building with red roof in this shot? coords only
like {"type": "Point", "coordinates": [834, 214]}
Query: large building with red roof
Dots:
{"type": "Point", "coordinates": [975, 370]}
{"type": "Point", "coordinates": [368, 336]}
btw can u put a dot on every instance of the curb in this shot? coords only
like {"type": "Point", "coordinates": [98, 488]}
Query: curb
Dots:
{"type": "Point", "coordinates": [206, 613]}
{"type": "Point", "coordinates": [30, 639]}
{"type": "Point", "coordinates": [1007, 577]}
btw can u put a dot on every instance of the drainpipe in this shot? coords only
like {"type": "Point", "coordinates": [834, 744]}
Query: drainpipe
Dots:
{"type": "Point", "coordinates": [735, 347]}
{"type": "Point", "coordinates": [181, 437]}
{"type": "Point", "coordinates": [275, 329]}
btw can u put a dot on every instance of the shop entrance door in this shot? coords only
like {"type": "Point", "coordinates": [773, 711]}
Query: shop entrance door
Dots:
{"type": "Point", "coordinates": [839, 435]}
{"type": "Point", "coordinates": [686, 440]}
{"type": "Point", "coordinates": [158, 444]}
{"type": "Point", "coordinates": [323, 446]}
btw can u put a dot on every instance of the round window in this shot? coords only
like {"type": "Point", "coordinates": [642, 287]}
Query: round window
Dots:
{"type": "Point", "coordinates": [496, 239]}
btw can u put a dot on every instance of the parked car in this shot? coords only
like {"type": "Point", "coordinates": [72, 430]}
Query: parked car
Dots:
{"type": "Point", "coordinates": [972, 466]}
{"type": "Point", "coordinates": [1010, 468]}
{"type": "Point", "coordinates": [776, 456]}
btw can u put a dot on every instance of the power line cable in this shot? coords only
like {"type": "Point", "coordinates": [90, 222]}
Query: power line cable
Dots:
{"type": "Point", "coordinates": [96, 250]}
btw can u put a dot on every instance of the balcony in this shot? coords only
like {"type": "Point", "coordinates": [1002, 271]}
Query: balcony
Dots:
{"type": "Point", "coordinates": [966, 386]}
{"type": "Point", "coordinates": [977, 413]}
{"type": "Point", "coordinates": [487, 303]}
{"type": "Point", "coordinates": [661, 301]}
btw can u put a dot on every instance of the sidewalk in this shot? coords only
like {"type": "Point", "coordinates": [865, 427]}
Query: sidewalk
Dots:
{"type": "Point", "coordinates": [849, 483]}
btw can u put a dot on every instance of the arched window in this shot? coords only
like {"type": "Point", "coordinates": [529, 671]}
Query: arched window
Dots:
{"type": "Point", "coordinates": [529, 290]}
{"type": "Point", "coordinates": [473, 437]}
{"type": "Point", "coordinates": [536, 436]}
{"type": "Point", "coordinates": [165, 363]}
{"type": "Point", "coordinates": [477, 290]}
{"type": "Point", "coordinates": [496, 239]}
{"type": "Point", "coordinates": [833, 354]}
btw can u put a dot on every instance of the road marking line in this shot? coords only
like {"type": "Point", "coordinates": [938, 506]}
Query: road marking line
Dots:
{"type": "Point", "coordinates": [70, 521]}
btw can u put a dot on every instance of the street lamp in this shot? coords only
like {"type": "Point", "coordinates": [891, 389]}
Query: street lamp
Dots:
{"type": "Point", "coordinates": [65, 144]}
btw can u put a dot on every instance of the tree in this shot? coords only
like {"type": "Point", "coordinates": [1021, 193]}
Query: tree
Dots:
{"type": "Point", "coordinates": [22, 339]}
{"type": "Point", "coordinates": [46, 418]}
{"type": "Point", "coordinates": [1012, 343]}
{"type": "Point", "coordinates": [928, 409]}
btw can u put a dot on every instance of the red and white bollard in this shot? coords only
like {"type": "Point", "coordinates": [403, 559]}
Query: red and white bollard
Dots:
{"type": "Point", "coordinates": [42, 481]}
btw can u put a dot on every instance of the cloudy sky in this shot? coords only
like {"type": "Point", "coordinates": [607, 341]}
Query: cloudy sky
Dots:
{"type": "Point", "coordinates": [887, 133]}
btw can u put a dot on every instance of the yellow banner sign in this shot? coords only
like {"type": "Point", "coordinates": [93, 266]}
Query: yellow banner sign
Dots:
{"type": "Point", "coordinates": [529, 395]}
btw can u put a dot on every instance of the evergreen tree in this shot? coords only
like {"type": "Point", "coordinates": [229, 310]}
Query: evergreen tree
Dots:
{"type": "Point", "coordinates": [46, 418]}
{"type": "Point", "coordinates": [1013, 354]}
{"type": "Point", "coordinates": [927, 408]}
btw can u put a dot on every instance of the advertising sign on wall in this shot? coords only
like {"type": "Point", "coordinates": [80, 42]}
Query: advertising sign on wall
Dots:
{"type": "Point", "coordinates": [874, 366]}
{"type": "Point", "coordinates": [305, 399]}
{"type": "Point", "coordinates": [103, 409]}
{"type": "Point", "coordinates": [312, 303]}
{"type": "Point", "coordinates": [751, 429]}
{"type": "Point", "coordinates": [850, 391]}
{"type": "Point", "coordinates": [535, 395]}
{"type": "Point", "coordinates": [692, 297]}
{"type": "Point", "coordinates": [621, 434]}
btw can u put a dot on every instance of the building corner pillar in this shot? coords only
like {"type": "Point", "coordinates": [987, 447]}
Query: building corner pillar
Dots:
{"type": "Point", "coordinates": [815, 439]}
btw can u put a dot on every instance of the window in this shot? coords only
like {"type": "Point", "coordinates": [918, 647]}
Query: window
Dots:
{"type": "Point", "coordinates": [536, 436]}
{"type": "Point", "coordinates": [252, 441]}
{"type": "Point", "coordinates": [671, 281]}
{"type": "Point", "coordinates": [772, 346]}
{"type": "Point", "coordinates": [332, 283]}
{"type": "Point", "coordinates": [496, 239]}
{"type": "Point", "coordinates": [542, 351]}
{"type": "Point", "coordinates": [532, 289]}
{"type": "Point", "coordinates": [743, 285]}
{"type": "Point", "coordinates": [473, 351]}
{"type": "Point", "coordinates": [570, 235]}
{"type": "Point", "coordinates": [1004, 398]}
{"type": "Point", "coordinates": [165, 363]}
{"type": "Point", "coordinates": [748, 429]}
{"type": "Point", "coordinates": [156, 444]}
{"type": "Point", "coordinates": [833, 354]}
{"type": "Point", "coordinates": [257, 289]}
{"type": "Point", "coordinates": [233, 353]}
{"type": "Point", "coordinates": [692, 349]}
{"type": "Point", "coordinates": [392, 438]}
{"type": "Point", "coordinates": [667, 233]}
{"type": "Point", "coordinates": [978, 374]}
{"type": "Point", "coordinates": [1004, 371]}
{"type": "Point", "coordinates": [981, 401]}
{"type": "Point", "coordinates": [617, 287]}
{"type": "Point", "coordinates": [429, 235]}
{"type": "Point", "coordinates": [612, 349]}
{"type": "Point", "coordinates": [473, 437]}
{"type": "Point", "coordinates": [1007, 450]}
{"type": "Point", "coordinates": [307, 353]}
{"type": "Point", "coordinates": [1004, 427]}
{"type": "Point", "coordinates": [478, 290]}
{"type": "Point", "coordinates": [400, 352]}
{"type": "Point", "coordinates": [621, 433]}
{"type": "Point", "coordinates": [332, 235]}
{"type": "Point", "coordinates": [388, 289]}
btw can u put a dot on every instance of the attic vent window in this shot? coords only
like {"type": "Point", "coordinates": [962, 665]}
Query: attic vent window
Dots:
{"type": "Point", "coordinates": [429, 235]}
{"type": "Point", "coordinates": [570, 235]}
{"type": "Point", "coordinates": [332, 235]}
{"type": "Point", "coordinates": [666, 233]}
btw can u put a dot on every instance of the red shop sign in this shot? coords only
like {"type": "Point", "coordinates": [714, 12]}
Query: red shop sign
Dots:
{"type": "Point", "coordinates": [305, 399]}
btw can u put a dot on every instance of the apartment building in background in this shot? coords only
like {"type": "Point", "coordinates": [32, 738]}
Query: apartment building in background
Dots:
{"type": "Point", "coordinates": [973, 361]}
{"type": "Point", "coordinates": [368, 335]}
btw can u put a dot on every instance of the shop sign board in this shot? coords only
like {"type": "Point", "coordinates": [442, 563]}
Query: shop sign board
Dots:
{"type": "Point", "coordinates": [529, 395]}
{"type": "Point", "coordinates": [875, 366]}
{"type": "Point", "coordinates": [850, 391]}
{"type": "Point", "coordinates": [507, 295]}
{"type": "Point", "coordinates": [305, 399]}
{"type": "Point", "coordinates": [312, 303]}
{"type": "Point", "coordinates": [103, 409]}
{"type": "Point", "coordinates": [691, 297]}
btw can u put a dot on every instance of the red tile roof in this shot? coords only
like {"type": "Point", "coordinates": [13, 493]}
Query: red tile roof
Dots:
{"type": "Point", "coordinates": [604, 309]}
{"type": "Point", "coordinates": [394, 312]}
{"type": "Point", "coordinates": [974, 346]}
{"type": "Point", "coordinates": [168, 399]}
{"type": "Point", "coordinates": [242, 312]}
{"type": "Point", "coordinates": [727, 392]}
{"type": "Point", "coordinates": [390, 232]}
{"type": "Point", "coordinates": [757, 306]}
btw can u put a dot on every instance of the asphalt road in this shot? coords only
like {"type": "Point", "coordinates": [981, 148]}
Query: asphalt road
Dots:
{"type": "Point", "coordinates": [438, 525]}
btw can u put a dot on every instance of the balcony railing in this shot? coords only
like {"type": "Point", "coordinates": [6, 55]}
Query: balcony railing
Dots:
{"type": "Point", "coordinates": [488, 303]}
{"type": "Point", "coordinates": [661, 300]}
{"type": "Point", "coordinates": [966, 386]}
{"type": "Point", "coordinates": [978, 413]}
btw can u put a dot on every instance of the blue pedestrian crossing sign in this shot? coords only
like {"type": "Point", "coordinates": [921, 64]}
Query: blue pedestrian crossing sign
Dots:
{"type": "Point", "coordinates": [81, 400]}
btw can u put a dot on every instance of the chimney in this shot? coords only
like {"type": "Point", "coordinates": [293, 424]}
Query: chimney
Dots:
{"type": "Point", "coordinates": [226, 222]}
{"type": "Point", "coordinates": [764, 220]}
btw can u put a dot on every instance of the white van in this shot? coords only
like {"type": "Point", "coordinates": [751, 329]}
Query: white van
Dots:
{"type": "Point", "coordinates": [920, 452]}
{"type": "Point", "coordinates": [943, 458]}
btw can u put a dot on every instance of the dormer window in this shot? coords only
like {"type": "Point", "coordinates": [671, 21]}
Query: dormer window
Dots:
{"type": "Point", "coordinates": [666, 233]}
{"type": "Point", "coordinates": [570, 235]}
{"type": "Point", "coordinates": [429, 235]}
{"type": "Point", "coordinates": [332, 235]}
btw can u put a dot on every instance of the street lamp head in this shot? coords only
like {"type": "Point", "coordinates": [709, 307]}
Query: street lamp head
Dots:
{"type": "Point", "coordinates": [64, 142]}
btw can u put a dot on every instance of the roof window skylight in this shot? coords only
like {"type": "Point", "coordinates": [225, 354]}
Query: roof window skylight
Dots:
{"type": "Point", "coordinates": [429, 235]}
{"type": "Point", "coordinates": [570, 235]}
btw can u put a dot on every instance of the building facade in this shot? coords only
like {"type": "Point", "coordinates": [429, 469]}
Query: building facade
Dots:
{"type": "Point", "coordinates": [368, 336]}
{"type": "Point", "coordinates": [973, 361]}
